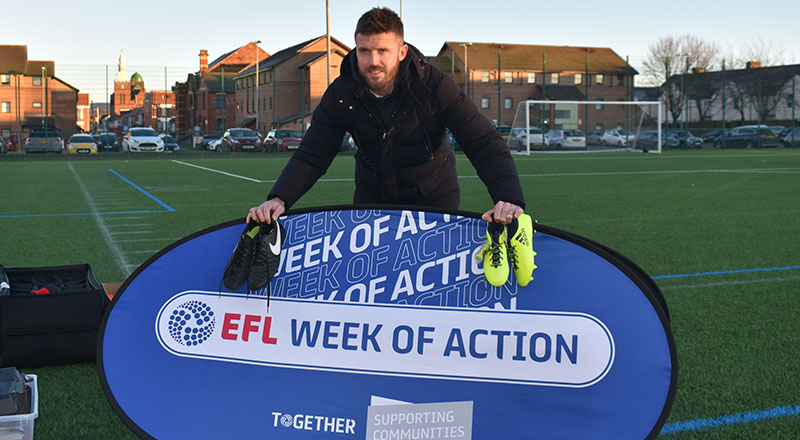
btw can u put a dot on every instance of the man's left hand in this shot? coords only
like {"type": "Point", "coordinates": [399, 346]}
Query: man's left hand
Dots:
{"type": "Point", "coordinates": [503, 212]}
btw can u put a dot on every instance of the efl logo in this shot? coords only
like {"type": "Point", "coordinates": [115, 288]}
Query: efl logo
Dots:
{"type": "Point", "coordinates": [191, 323]}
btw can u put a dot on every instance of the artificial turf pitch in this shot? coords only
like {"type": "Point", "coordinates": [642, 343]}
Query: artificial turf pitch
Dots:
{"type": "Point", "coordinates": [719, 214]}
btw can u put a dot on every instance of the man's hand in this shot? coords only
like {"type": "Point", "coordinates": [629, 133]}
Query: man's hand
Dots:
{"type": "Point", "coordinates": [503, 212]}
{"type": "Point", "coordinates": [267, 211]}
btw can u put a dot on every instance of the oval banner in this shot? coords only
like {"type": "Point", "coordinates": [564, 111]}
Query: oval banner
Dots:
{"type": "Point", "coordinates": [380, 325]}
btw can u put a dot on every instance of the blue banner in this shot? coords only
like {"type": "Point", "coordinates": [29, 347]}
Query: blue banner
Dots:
{"type": "Point", "coordinates": [381, 326]}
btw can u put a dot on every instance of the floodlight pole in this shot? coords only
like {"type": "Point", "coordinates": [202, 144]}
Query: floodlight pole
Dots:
{"type": "Point", "coordinates": [328, 39]}
{"type": "Point", "coordinates": [257, 42]}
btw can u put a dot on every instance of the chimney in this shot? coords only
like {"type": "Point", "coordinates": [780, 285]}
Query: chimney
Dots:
{"type": "Point", "coordinates": [754, 64]}
{"type": "Point", "coordinates": [698, 70]}
{"type": "Point", "coordinates": [203, 60]}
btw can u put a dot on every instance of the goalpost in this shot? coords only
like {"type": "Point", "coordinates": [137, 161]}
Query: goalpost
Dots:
{"type": "Point", "coordinates": [586, 126]}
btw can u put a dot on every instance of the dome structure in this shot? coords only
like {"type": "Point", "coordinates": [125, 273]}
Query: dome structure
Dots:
{"type": "Point", "coordinates": [137, 83]}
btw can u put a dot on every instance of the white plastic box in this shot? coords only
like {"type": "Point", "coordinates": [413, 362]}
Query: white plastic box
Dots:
{"type": "Point", "coordinates": [20, 426]}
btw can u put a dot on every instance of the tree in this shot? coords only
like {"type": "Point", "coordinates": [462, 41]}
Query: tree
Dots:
{"type": "Point", "coordinates": [671, 56]}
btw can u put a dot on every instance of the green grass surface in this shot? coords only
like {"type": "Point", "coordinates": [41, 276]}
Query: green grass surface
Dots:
{"type": "Point", "coordinates": [674, 213]}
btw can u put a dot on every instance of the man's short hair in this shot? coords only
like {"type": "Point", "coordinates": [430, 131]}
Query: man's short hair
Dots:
{"type": "Point", "coordinates": [378, 21]}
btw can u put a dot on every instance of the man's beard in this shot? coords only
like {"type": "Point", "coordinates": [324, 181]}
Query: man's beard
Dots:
{"type": "Point", "coordinates": [378, 86]}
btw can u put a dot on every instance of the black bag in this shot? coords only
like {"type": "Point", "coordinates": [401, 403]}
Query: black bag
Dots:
{"type": "Point", "coordinates": [51, 316]}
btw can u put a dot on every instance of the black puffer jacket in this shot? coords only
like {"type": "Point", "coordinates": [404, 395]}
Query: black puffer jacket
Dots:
{"type": "Point", "coordinates": [409, 160]}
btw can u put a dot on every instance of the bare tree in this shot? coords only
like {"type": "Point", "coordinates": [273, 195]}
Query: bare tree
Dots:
{"type": "Point", "coordinates": [674, 55]}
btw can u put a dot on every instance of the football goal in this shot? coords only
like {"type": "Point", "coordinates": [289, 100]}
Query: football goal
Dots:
{"type": "Point", "coordinates": [586, 126]}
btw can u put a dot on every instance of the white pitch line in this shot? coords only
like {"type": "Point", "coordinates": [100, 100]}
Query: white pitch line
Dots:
{"type": "Point", "coordinates": [600, 173]}
{"type": "Point", "coordinates": [141, 240]}
{"type": "Point", "coordinates": [131, 232]}
{"type": "Point", "coordinates": [149, 251]}
{"type": "Point", "coordinates": [118, 254]}
{"type": "Point", "coordinates": [728, 283]}
{"type": "Point", "coordinates": [249, 179]}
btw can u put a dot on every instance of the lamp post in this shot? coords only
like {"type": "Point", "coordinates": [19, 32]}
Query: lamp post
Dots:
{"type": "Point", "coordinates": [683, 96]}
{"type": "Point", "coordinates": [466, 69]}
{"type": "Point", "coordinates": [44, 108]}
{"type": "Point", "coordinates": [257, 42]}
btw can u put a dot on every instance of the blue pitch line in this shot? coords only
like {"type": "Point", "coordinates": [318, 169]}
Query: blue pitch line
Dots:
{"type": "Point", "coordinates": [164, 205]}
{"type": "Point", "coordinates": [725, 272]}
{"type": "Point", "coordinates": [732, 419]}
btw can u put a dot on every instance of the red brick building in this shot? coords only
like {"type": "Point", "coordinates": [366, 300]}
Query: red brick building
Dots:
{"type": "Point", "coordinates": [290, 85]}
{"type": "Point", "coordinates": [84, 113]}
{"type": "Point", "coordinates": [159, 110]}
{"type": "Point", "coordinates": [518, 72]}
{"type": "Point", "coordinates": [32, 97]}
{"type": "Point", "coordinates": [206, 99]}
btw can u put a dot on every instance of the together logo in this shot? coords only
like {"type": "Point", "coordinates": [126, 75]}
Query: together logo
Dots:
{"type": "Point", "coordinates": [311, 422]}
{"type": "Point", "coordinates": [191, 323]}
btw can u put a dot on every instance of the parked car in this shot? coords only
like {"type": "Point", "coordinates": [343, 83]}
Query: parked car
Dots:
{"type": "Point", "coordinates": [748, 137]}
{"type": "Point", "coordinates": [206, 139]}
{"type": "Point", "coordinates": [107, 142]}
{"type": "Point", "coordinates": [3, 146]}
{"type": "Point", "coordinates": [687, 139]}
{"type": "Point", "coordinates": [777, 129]}
{"type": "Point", "coordinates": [141, 139]}
{"type": "Point", "coordinates": [649, 139]}
{"type": "Point", "coordinates": [565, 139]}
{"type": "Point", "coordinates": [282, 140]}
{"type": "Point", "coordinates": [792, 139]}
{"type": "Point", "coordinates": [518, 138]}
{"type": "Point", "coordinates": [594, 137]}
{"type": "Point", "coordinates": [170, 144]}
{"type": "Point", "coordinates": [213, 145]}
{"type": "Point", "coordinates": [504, 131]}
{"type": "Point", "coordinates": [713, 134]}
{"type": "Point", "coordinates": [44, 142]}
{"type": "Point", "coordinates": [617, 136]}
{"type": "Point", "coordinates": [81, 143]}
{"type": "Point", "coordinates": [240, 139]}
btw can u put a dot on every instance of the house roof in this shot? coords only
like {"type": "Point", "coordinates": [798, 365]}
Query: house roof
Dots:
{"type": "Point", "coordinates": [483, 56]}
{"type": "Point", "coordinates": [283, 55]}
{"type": "Point", "coordinates": [774, 74]}
{"type": "Point", "coordinates": [563, 93]}
{"type": "Point", "coordinates": [222, 57]}
{"type": "Point", "coordinates": [13, 58]}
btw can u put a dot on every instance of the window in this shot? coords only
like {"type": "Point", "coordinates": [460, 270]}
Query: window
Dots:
{"type": "Point", "coordinates": [5, 107]}
{"type": "Point", "coordinates": [508, 103]}
{"type": "Point", "coordinates": [220, 124]}
{"type": "Point", "coordinates": [553, 78]}
{"type": "Point", "coordinates": [5, 80]}
{"type": "Point", "coordinates": [6, 132]}
{"type": "Point", "coordinates": [790, 100]}
{"type": "Point", "coordinates": [37, 104]}
{"type": "Point", "coordinates": [578, 78]}
{"type": "Point", "coordinates": [220, 100]}
{"type": "Point", "coordinates": [164, 112]}
{"type": "Point", "coordinates": [509, 77]}
{"type": "Point", "coordinates": [37, 81]}
{"type": "Point", "coordinates": [531, 77]}
{"type": "Point", "coordinates": [484, 102]}
{"type": "Point", "coordinates": [485, 76]}
{"type": "Point", "coordinates": [620, 80]}
{"type": "Point", "coordinates": [563, 114]}
{"type": "Point", "coordinates": [598, 79]}
{"type": "Point", "coordinates": [598, 106]}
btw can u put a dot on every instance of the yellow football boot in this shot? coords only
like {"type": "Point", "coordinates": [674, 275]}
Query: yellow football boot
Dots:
{"type": "Point", "coordinates": [520, 248]}
{"type": "Point", "coordinates": [494, 253]}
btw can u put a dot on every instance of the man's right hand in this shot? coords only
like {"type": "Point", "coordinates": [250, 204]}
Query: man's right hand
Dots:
{"type": "Point", "coordinates": [267, 211]}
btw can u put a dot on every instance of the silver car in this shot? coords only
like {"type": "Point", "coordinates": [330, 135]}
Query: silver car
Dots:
{"type": "Point", "coordinates": [44, 142]}
{"type": "Point", "coordinates": [565, 139]}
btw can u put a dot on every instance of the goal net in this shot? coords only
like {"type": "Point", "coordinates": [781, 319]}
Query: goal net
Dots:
{"type": "Point", "coordinates": [588, 126]}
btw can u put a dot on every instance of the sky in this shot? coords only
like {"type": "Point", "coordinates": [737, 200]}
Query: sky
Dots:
{"type": "Point", "coordinates": [83, 37]}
